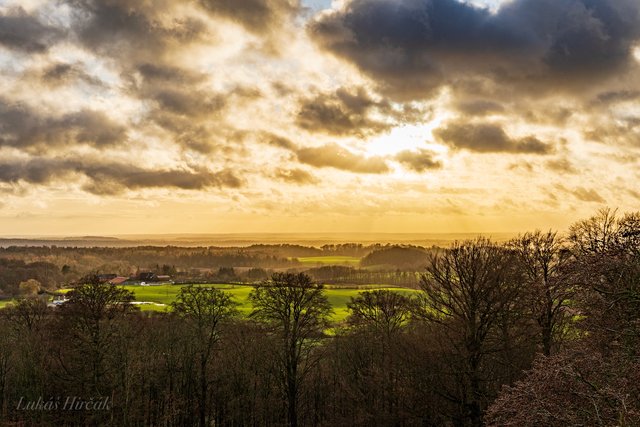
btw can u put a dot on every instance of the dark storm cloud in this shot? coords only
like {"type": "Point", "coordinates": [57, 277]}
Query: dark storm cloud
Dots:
{"type": "Point", "coordinates": [24, 32]}
{"type": "Point", "coordinates": [258, 16]}
{"type": "Point", "coordinates": [612, 97]}
{"type": "Point", "coordinates": [194, 115]}
{"type": "Point", "coordinates": [23, 127]}
{"type": "Point", "coordinates": [413, 46]}
{"type": "Point", "coordinates": [60, 74]}
{"type": "Point", "coordinates": [113, 178]}
{"type": "Point", "coordinates": [296, 176]}
{"type": "Point", "coordinates": [132, 29]}
{"type": "Point", "coordinates": [488, 138]}
{"type": "Point", "coordinates": [159, 73]}
{"type": "Point", "coordinates": [184, 102]}
{"type": "Point", "coordinates": [419, 161]}
{"type": "Point", "coordinates": [142, 26]}
{"type": "Point", "coordinates": [333, 155]}
{"type": "Point", "coordinates": [341, 113]}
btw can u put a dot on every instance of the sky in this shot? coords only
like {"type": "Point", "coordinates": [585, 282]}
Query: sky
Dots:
{"type": "Point", "coordinates": [241, 116]}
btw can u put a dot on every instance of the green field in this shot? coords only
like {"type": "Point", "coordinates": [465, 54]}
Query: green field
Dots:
{"type": "Point", "coordinates": [159, 298]}
{"type": "Point", "coordinates": [166, 294]}
{"type": "Point", "coordinates": [330, 260]}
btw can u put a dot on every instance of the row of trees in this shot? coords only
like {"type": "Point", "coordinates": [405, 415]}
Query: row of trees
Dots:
{"type": "Point", "coordinates": [125, 261]}
{"type": "Point", "coordinates": [539, 331]}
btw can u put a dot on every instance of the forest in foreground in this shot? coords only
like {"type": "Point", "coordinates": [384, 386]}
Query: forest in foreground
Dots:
{"type": "Point", "coordinates": [541, 330]}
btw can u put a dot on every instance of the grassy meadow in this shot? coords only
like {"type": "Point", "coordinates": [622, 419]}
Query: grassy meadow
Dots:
{"type": "Point", "coordinates": [159, 298]}
{"type": "Point", "coordinates": [162, 296]}
{"type": "Point", "coordinates": [312, 261]}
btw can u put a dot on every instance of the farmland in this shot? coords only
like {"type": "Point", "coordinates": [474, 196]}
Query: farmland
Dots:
{"type": "Point", "coordinates": [159, 298]}
{"type": "Point", "coordinates": [329, 260]}
{"type": "Point", "coordinates": [166, 294]}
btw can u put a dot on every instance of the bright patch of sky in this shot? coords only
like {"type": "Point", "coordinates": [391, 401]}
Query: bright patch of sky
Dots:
{"type": "Point", "coordinates": [408, 137]}
{"type": "Point", "coordinates": [491, 4]}
{"type": "Point", "coordinates": [317, 5]}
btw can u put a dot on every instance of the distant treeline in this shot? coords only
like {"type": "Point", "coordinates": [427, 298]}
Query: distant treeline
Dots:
{"type": "Point", "coordinates": [399, 257]}
{"type": "Point", "coordinates": [16, 271]}
{"type": "Point", "coordinates": [336, 274]}
{"type": "Point", "coordinates": [56, 266]}
{"type": "Point", "coordinates": [543, 330]}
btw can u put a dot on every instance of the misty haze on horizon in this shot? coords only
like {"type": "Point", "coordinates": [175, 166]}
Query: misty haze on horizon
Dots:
{"type": "Point", "coordinates": [248, 239]}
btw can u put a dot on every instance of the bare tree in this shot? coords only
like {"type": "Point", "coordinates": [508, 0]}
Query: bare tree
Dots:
{"type": "Point", "coordinates": [383, 310]}
{"type": "Point", "coordinates": [94, 325]}
{"type": "Point", "coordinates": [204, 309]}
{"type": "Point", "coordinates": [379, 318]}
{"type": "Point", "coordinates": [298, 312]}
{"type": "Point", "coordinates": [545, 261]}
{"type": "Point", "coordinates": [467, 291]}
{"type": "Point", "coordinates": [595, 380]}
{"type": "Point", "coordinates": [606, 248]}
{"type": "Point", "coordinates": [598, 234]}
{"type": "Point", "coordinates": [572, 388]}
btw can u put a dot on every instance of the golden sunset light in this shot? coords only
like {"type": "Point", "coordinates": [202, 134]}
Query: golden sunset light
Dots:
{"type": "Point", "coordinates": [121, 117]}
{"type": "Point", "coordinates": [320, 213]}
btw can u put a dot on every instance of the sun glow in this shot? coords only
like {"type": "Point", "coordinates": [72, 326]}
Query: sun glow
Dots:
{"type": "Point", "coordinates": [409, 137]}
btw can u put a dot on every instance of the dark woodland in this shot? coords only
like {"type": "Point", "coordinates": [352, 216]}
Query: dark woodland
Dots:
{"type": "Point", "coordinates": [543, 330]}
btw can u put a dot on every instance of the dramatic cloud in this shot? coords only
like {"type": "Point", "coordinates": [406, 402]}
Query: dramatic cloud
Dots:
{"type": "Point", "coordinates": [341, 113]}
{"type": "Point", "coordinates": [133, 29]}
{"type": "Point", "coordinates": [411, 47]}
{"type": "Point", "coordinates": [301, 114]}
{"type": "Point", "coordinates": [489, 138]}
{"type": "Point", "coordinates": [184, 103]}
{"type": "Point", "coordinates": [22, 126]}
{"type": "Point", "coordinates": [611, 97]}
{"type": "Point", "coordinates": [162, 74]}
{"type": "Point", "coordinates": [113, 178]}
{"type": "Point", "coordinates": [296, 176]}
{"type": "Point", "coordinates": [24, 32]}
{"type": "Point", "coordinates": [335, 156]}
{"type": "Point", "coordinates": [330, 155]}
{"type": "Point", "coordinates": [256, 15]}
{"type": "Point", "coordinates": [61, 74]}
{"type": "Point", "coordinates": [419, 161]}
